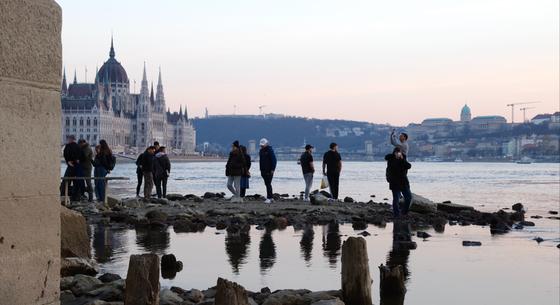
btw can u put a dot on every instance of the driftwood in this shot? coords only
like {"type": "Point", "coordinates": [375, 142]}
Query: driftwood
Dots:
{"type": "Point", "coordinates": [356, 280]}
{"type": "Point", "coordinates": [142, 280]}
{"type": "Point", "coordinates": [229, 293]}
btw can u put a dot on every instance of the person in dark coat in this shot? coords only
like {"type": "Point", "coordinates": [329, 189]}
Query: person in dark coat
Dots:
{"type": "Point", "coordinates": [332, 166]}
{"type": "Point", "coordinates": [86, 162]}
{"type": "Point", "coordinates": [147, 171]}
{"type": "Point", "coordinates": [72, 153]}
{"type": "Point", "coordinates": [245, 178]}
{"type": "Point", "coordinates": [103, 164]}
{"type": "Point", "coordinates": [397, 170]}
{"type": "Point", "coordinates": [139, 173]}
{"type": "Point", "coordinates": [162, 169]}
{"type": "Point", "coordinates": [235, 169]}
{"type": "Point", "coordinates": [267, 162]}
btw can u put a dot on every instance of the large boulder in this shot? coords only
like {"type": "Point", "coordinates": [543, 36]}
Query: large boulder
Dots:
{"type": "Point", "coordinates": [453, 207]}
{"type": "Point", "coordinates": [335, 301]}
{"type": "Point", "coordinates": [142, 280]}
{"type": "Point", "coordinates": [319, 199]}
{"type": "Point", "coordinates": [229, 293]}
{"type": "Point", "coordinates": [74, 239]}
{"type": "Point", "coordinates": [168, 297]}
{"type": "Point", "coordinates": [83, 284]}
{"type": "Point", "coordinates": [70, 266]}
{"type": "Point", "coordinates": [422, 205]}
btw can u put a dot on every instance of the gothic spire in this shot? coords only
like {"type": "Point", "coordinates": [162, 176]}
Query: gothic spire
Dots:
{"type": "Point", "coordinates": [64, 88]}
{"type": "Point", "coordinates": [186, 113]}
{"type": "Point", "coordinates": [180, 110]}
{"type": "Point", "coordinates": [75, 77]}
{"type": "Point", "coordinates": [112, 51]}
{"type": "Point", "coordinates": [144, 90]}
{"type": "Point", "coordinates": [152, 93]}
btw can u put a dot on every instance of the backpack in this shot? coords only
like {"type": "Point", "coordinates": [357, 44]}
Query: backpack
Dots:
{"type": "Point", "coordinates": [112, 162]}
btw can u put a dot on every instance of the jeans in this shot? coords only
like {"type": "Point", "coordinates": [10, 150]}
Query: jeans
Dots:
{"type": "Point", "coordinates": [139, 177]}
{"type": "Point", "coordinates": [161, 187]}
{"type": "Point", "coordinates": [89, 188]}
{"type": "Point", "coordinates": [407, 200]}
{"type": "Point", "coordinates": [148, 184]}
{"type": "Point", "coordinates": [100, 172]}
{"type": "Point", "coordinates": [308, 178]}
{"type": "Point", "coordinates": [234, 185]}
{"type": "Point", "coordinates": [267, 177]}
{"type": "Point", "coordinates": [333, 183]}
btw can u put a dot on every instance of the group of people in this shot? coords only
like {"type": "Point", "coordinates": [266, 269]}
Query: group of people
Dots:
{"type": "Point", "coordinates": [81, 161]}
{"type": "Point", "coordinates": [153, 168]}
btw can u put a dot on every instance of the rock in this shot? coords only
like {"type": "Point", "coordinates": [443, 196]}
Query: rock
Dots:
{"type": "Point", "coordinates": [168, 297]}
{"type": "Point", "coordinates": [221, 225]}
{"type": "Point", "coordinates": [467, 243]}
{"type": "Point", "coordinates": [558, 246]}
{"type": "Point", "coordinates": [266, 290]}
{"type": "Point", "coordinates": [83, 283]}
{"type": "Point", "coordinates": [188, 226]}
{"type": "Point", "coordinates": [365, 233]}
{"type": "Point", "coordinates": [74, 265]}
{"type": "Point", "coordinates": [209, 195]}
{"type": "Point", "coordinates": [66, 282]}
{"type": "Point", "coordinates": [195, 296]}
{"type": "Point", "coordinates": [517, 216]}
{"type": "Point", "coordinates": [453, 207]}
{"type": "Point", "coordinates": [156, 217]}
{"type": "Point", "coordinates": [209, 293]}
{"type": "Point", "coordinates": [281, 222]}
{"type": "Point", "coordinates": [168, 261]}
{"type": "Point", "coordinates": [536, 217]}
{"type": "Point", "coordinates": [348, 199]}
{"type": "Point", "coordinates": [112, 201]}
{"type": "Point", "coordinates": [422, 205]}
{"type": "Point", "coordinates": [175, 197]}
{"type": "Point", "coordinates": [317, 296]}
{"type": "Point", "coordinates": [319, 199]}
{"type": "Point", "coordinates": [109, 277]}
{"type": "Point", "coordinates": [198, 199]}
{"type": "Point", "coordinates": [106, 293]}
{"type": "Point", "coordinates": [133, 203]}
{"type": "Point", "coordinates": [142, 280]}
{"type": "Point", "coordinates": [553, 212]}
{"type": "Point", "coordinates": [229, 293]}
{"type": "Point", "coordinates": [527, 223]}
{"type": "Point", "coordinates": [66, 297]}
{"type": "Point", "coordinates": [518, 207]}
{"type": "Point", "coordinates": [424, 235]}
{"type": "Point", "coordinates": [74, 239]}
{"type": "Point", "coordinates": [359, 224]}
{"type": "Point", "coordinates": [538, 239]}
{"type": "Point", "coordinates": [336, 301]}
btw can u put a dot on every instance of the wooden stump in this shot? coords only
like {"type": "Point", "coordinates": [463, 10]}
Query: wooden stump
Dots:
{"type": "Point", "coordinates": [356, 280]}
{"type": "Point", "coordinates": [229, 293]}
{"type": "Point", "coordinates": [391, 280]}
{"type": "Point", "coordinates": [142, 280]}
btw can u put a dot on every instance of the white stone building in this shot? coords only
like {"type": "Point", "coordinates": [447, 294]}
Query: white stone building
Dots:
{"type": "Point", "coordinates": [128, 122]}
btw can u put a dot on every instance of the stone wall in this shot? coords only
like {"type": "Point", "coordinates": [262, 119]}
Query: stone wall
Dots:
{"type": "Point", "coordinates": [30, 66]}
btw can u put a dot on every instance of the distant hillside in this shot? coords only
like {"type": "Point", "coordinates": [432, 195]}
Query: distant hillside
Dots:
{"type": "Point", "coordinates": [288, 132]}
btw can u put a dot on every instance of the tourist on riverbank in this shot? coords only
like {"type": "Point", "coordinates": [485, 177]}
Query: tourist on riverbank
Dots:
{"type": "Point", "coordinates": [162, 170]}
{"type": "Point", "coordinates": [86, 162]}
{"type": "Point", "coordinates": [247, 174]}
{"type": "Point", "coordinates": [72, 154]}
{"type": "Point", "coordinates": [332, 166]}
{"type": "Point", "coordinates": [401, 142]}
{"type": "Point", "coordinates": [397, 170]}
{"type": "Point", "coordinates": [235, 168]}
{"type": "Point", "coordinates": [139, 173]}
{"type": "Point", "coordinates": [147, 171]}
{"type": "Point", "coordinates": [267, 164]}
{"type": "Point", "coordinates": [103, 164]}
{"type": "Point", "coordinates": [308, 169]}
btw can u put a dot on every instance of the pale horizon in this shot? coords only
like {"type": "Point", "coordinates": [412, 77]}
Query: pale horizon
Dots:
{"type": "Point", "coordinates": [377, 62]}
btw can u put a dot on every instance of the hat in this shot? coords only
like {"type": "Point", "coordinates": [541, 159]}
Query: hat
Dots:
{"type": "Point", "coordinates": [235, 143]}
{"type": "Point", "coordinates": [307, 147]}
{"type": "Point", "coordinates": [264, 142]}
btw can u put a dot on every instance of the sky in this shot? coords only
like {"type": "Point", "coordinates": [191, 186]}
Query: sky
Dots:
{"type": "Point", "coordinates": [377, 61]}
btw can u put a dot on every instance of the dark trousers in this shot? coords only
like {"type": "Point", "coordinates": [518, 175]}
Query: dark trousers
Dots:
{"type": "Point", "coordinates": [243, 192]}
{"type": "Point", "coordinates": [333, 183]}
{"type": "Point", "coordinates": [100, 172]}
{"type": "Point", "coordinates": [75, 187]}
{"type": "Point", "coordinates": [161, 186]}
{"type": "Point", "coordinates": [267, 177]}
{"type": "Point", "coordinates": [139, 178]}
{"type": "Point", "coordinates": [407, 200]}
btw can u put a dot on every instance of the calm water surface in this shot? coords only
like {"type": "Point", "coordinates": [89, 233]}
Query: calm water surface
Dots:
{"type": "Point", "coordinates": [507, 269]}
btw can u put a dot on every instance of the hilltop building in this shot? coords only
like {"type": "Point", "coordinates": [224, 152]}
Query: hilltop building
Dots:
{"type": "Point", "coordinates": [129, 122]}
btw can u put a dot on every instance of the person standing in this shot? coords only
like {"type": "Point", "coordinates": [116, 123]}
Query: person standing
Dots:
{"type": "Point", "coordinates": [401, 142]}
{"type": "Point", "coordinates": [247, 174]}
{"type": "Point", "coordinates": [267, 164]}
{"type": "Point", "coordinates": [86, 162]}
{"type": "Point", "coordinates": [162, 169]}
{"type": "Point", "coordinates": [332, 166]}
{"type": "Point", "coordinates": [147, 171]}
{"type": "Point", "coordinates": [103, 164]}
{"type": "Point", "coordinates": [72, 154]}
{"type": "Point", "coordinates": [235, 168]}
{"type": "Point", "coordinates": [139, 173]}
{"type": "Point", "coordinates": [397, 170]}
{"type": "Point", "coordinates": [308, 169]}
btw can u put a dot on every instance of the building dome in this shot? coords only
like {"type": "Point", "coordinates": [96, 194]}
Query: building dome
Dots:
{"type": "Point", "coordinates": [465, 113]}
{"type": "Point", "coordinates": [112, 69]}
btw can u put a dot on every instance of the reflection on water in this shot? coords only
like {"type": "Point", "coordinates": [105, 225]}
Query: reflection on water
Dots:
{"type": "Point", "coordinates": [267, 251]}
{"type": "Point", "coordinates": [398, 256]}
{"type": "Point", "coordinates": [106, 241]}
{"type": "Point", "coordinates": [306, 243]}
{"type": "Point", "coordinates": [237, 245]}
{"type": "Point", "coordinates": [332, 243]}
{"type": "Point", "coordinates": [154, 240]}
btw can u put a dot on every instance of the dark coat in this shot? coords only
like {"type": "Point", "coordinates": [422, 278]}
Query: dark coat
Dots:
{"type": "Point", "coordinates": [147, 162]}
{"type": "Point", "coordinates": [267, 160]}
{"type": "Point", "coordinates": [86, 158]}
{"type": "Point", "coordinates": [139, 163]}
{"type": "Point", "coordinates": [235, 165]}
{"type": "Point", "coordinates": [103, 160]}
{"type": "Point", "coordinates": [247, 165]}
{"type": "Point", "coordinates": [397, 169]}
{"type": "Point", "coordinates": [72, 152]}
{"type": "Point", "coordinates": [162, 166]}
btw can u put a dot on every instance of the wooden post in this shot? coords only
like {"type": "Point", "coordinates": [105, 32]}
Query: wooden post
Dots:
{"type": "Point", "coordinates": [391, 280]}
{"type": "Point", "coordinates": [142, 280]}
{"type": "Point", "coordinates": [105, 203]}
{"type": "Point", "coordinates": [229, 293]}
{"type": "Point", "coordinates": [356, 280]}
{"type": "Point", "coordinates": [66, 198]}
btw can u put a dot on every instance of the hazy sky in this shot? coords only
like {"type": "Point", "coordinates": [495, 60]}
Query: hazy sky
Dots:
{"type": "Point", "coordinates": [370, 60]}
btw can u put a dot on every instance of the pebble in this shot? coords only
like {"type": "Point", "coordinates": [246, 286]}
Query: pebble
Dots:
{"type": "Point", "coordinates": [468, 243]}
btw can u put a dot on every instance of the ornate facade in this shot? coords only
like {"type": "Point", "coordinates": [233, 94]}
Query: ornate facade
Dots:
{"type": "Point", "coordinates": [129, 122]}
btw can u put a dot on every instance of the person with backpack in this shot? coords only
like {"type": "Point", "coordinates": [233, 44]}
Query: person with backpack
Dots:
{"type": "Point", "coordinates": [332, 166]}
{"type": "Point", "coordinates": [247, 175]}
{"type": "Point", "coordinates": [396, 174]}
{"type": "Point", "coordinates": [147, 171]}
{"type": "Point", "coordinates": [103, 164]}
{"type": "Point", "coordinates": [162, 169]}
{"type": "Point", "coordinates": [308, 169]}
{"type": "Point", "coordinates": [267, 164]}
{"type": "Point", "coordinates": [72, 153]}
{"type": "Point", "coordinates": [235, 169]}
{"type": "Point", "coordinates": [86, 162]}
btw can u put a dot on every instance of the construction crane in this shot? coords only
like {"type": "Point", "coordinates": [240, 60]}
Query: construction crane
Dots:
{"type": "Point", "coordinates": [512, 105]}
{"type": "Point", "coordinates": [524, 109]}
{"type": "Point", "coordinates": [261, 109]}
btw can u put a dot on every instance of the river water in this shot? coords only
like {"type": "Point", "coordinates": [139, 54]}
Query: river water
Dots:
{"type": "Point", "coordinates": [506, 269]}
